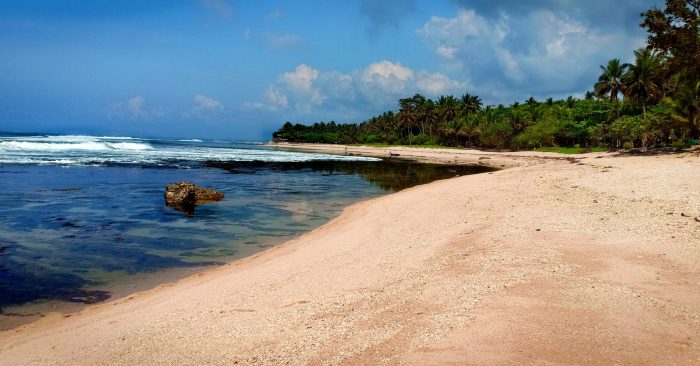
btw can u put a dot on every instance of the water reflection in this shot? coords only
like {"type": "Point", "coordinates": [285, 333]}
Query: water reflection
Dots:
{"type": "Point", "coordinates": [389, 175]}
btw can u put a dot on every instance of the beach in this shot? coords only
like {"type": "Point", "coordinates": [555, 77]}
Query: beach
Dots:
{"type": "Point", "coordinates": [585, 259]}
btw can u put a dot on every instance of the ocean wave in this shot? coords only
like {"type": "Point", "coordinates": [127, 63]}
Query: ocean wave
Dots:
{"type": "Point", "coordinates": [85, 150]}
{"type": "Point", "coordinates": [71, 146]}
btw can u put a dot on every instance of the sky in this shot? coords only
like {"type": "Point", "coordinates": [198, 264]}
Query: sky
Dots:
{"type": "Point", "coordinates": [239, 69]}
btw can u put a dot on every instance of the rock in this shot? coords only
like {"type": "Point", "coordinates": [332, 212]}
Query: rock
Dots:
{"type": "Point", "coordinates": [207, 195]}
{"type": "Point", "coordinates": [697, 219]}
{"type": "Point", "coordinates": [181, 196]}
{"type": "Point", "coordinates": [184, 196]}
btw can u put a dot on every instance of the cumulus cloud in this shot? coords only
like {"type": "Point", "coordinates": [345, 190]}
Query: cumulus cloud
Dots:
{"type": "Point", "coordinates": [275, 98]}
{"type": "Point", "coordinates": [385, 79]}
{"type": "Point", "coordinates": [300, 89]}
{"type": "Point", "coordinates": [205, 104]}
{"type": "Point", "coordinates": [378, 86]}
{"type": "Point", "coordinates": [134, 108]}
{"type": "Point", "coordinates": [545, 52]}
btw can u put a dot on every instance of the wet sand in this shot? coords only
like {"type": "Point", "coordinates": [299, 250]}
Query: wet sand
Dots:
{"type": "Point", "coordinates": [592, 259]}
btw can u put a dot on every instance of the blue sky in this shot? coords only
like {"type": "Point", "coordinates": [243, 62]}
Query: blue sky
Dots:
{"type": "Point", "coordinates": [238, 69]}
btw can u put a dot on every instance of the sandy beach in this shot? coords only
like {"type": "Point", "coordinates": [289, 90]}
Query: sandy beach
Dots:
{"type": "Point", "coordinates": [585, 259]}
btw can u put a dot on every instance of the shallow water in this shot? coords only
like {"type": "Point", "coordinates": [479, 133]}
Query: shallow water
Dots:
{"type": "Point", "coordinates": [69, 232]}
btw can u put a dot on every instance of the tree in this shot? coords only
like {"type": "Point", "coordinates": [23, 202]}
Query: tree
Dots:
{"type": "Point", "coordinates": [471, 103]}
{"type": "Point", "coordinates": [610, 80]}
{"type": "Point", "coordinates": [448, 107]}
{"type": "Point", "coordinates": [675, 33]}
{"type": "Point", "coordinates": [642, 82]}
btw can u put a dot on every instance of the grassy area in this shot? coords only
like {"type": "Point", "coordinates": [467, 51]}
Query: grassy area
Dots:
{"type": "Point", "coordinates": [571, 150]}
{"type": "Point", "coordinates": [379, 144]}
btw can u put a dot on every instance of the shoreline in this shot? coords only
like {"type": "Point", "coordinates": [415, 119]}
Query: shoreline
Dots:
{"type": "Point", "coordinates": [530, 263]}
{"type": "Point", "coordinates": [492, 159]}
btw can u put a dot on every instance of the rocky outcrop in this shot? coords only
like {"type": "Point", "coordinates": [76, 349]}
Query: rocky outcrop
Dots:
{"type": "Point", "coordinates": [184, 196]}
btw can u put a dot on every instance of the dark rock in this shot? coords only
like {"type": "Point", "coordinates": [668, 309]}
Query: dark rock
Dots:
{"type": "Point", "coordinates": [184, 196]}
{"type": "Point", "coordinates": [180, 196]}
{"type": "Point", "coordinates": [207, 195]}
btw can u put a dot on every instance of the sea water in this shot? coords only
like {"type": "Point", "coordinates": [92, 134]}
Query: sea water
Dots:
{"type": "Point", "coordinates": [80, 213]}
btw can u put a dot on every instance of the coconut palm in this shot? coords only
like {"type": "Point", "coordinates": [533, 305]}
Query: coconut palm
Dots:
{"type": "Point", "coordinates": [642, 82]}
{"type": "Point", "coordinates": [447, 107]}
{"type": "Point", "coordinates": [471, 103]}
{"type": "Point", "coordinates": [610, 81]}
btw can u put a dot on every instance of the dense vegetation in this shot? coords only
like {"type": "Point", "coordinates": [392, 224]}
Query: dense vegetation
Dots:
{"type": "Point", "coordinates": [654, 101]}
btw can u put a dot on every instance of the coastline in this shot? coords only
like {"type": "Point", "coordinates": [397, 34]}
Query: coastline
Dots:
{"type": "Point", "coordinates": [583, 259]}
{"type": "Point", "coordinates": [492, 159]}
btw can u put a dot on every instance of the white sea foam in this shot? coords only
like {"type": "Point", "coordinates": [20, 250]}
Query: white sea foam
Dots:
{"type": "Point", "coordinates": [70, 146]}
{"type": "Point", "coordinates": [100, 150]}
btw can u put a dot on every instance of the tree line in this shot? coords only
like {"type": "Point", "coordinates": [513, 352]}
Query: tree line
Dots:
{"type": "Point", "coordinates": [654, 101]}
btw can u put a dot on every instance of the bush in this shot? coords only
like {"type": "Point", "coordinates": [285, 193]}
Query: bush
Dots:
{"type": "Point", "coordinates": [628, 145]}
{"type": "Point", "coordinates": [370, 139]}
{"type": "Point", "coordinates": [497, 134]}
{"type": "Point", "coordinates": [681, 143]}
{"type": "Point", "coordinates": [420, 139]}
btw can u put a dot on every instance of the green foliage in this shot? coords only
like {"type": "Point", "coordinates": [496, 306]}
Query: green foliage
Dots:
{"type": "Point", "coordinates": [497, 134]}
{"type": "Point", "coordinates": [538, 135]}
{"type": "Point", "coordinates": [571, 150]}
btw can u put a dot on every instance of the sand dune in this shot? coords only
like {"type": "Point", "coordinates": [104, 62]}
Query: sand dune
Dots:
{"type": "Point", "coordinates": [593, 260]}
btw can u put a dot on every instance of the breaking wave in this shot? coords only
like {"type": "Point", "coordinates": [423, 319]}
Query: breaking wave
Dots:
{"type": "Point", "coordinates": [72, 150]}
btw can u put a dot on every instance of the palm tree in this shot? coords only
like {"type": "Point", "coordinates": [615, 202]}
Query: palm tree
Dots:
{"type": "Point", "coordinates": [447, 107]}
{"type": "Point", "coordinates": [642, 82]}
{"type": "Point", "coordinates": [407, 116]}
{"type": "Point", "coordinates": [570, 101]}
{"type": "Point", "coordinates": [471, 103]}
{"type": "Point", "coordinates": [610, 81]}
{"type": "Point", "coordinates": [531, 102]}
{"type": "Point", "coordinates": [430, 116]}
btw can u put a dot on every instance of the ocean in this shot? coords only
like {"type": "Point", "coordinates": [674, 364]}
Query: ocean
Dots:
{"type": "Point", "coordinates": [83, 216]}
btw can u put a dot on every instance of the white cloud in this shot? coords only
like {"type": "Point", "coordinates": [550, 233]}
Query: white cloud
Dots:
{"type": "Point", "coordinates": [540, 52]}
{"type": "Point", "coordinates": [204, 102]}
{"type": "Point", "coordinates": [309, 91]}
{"type": "Point", "coordinates": [134, 108]}
{"type": "Point", "coordinates": [275, 98]}
{"type": "Point", "coordinates": [435, 84]}
{"type": "Point", "coordinates": [447, 53]}
{"type": "Point", "coordinates": [451, 32]}
{"type": "Point", "coordinates": [384, 80]}
{"type": "Point", "coordinates": [301, 78]}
